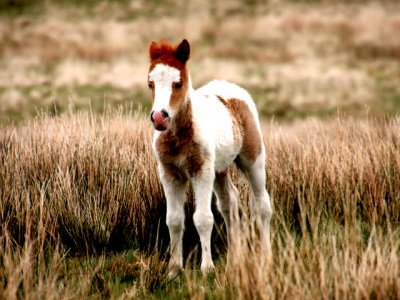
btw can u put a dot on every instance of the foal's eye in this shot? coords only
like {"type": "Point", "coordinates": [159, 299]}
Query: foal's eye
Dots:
{"type": "Point", "coordinates": [177, 85]}
{"type": "Point", "coordinates": [151, 84]}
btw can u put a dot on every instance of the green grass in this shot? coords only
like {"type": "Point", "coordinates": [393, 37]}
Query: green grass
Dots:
{"type": "Point", "coordinates": [46, 99]}
{"type": "Point", "coordinates": [284, 110]}
{"type": "Point", "coordinates": [99, 99]}
{"type": "Point", "coordinates": [16, 8]}
{"type": "Point", "coordinates": [389, 91]}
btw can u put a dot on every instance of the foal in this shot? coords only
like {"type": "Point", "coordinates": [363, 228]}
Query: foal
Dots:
{"type": "Point", "coordinates": [199, 134]}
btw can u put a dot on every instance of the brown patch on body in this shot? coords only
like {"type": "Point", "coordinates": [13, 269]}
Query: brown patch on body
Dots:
{"type": "Point", "coordinates": [244, 125]}
{"type": "Point", "coordinates": [180, 155]}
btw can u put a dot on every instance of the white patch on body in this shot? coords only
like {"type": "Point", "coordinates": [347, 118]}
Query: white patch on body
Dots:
{"type": "Point", "coordinates": [228, 90]}
{"type": "Point", "coordinates": [163, 77]}
{"type": "Point", "coordinates": [213, 129]}
{"type": "Point", "coordinates": [213, 121]}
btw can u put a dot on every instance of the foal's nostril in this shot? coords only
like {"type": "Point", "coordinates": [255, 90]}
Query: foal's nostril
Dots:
{"type": "Point", "coordinates": [151, 116]}
{"type": "Point", "coordinates": [164, 113]}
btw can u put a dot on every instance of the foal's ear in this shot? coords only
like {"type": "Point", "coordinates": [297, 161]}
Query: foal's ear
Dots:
{"type": "Point", "coordinates": [154, 51]}
{"type": "Point", "coordinates": [183, 51]}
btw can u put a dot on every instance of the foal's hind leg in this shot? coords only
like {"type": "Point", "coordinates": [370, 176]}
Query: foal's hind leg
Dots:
{"type": "Point", "coordinates": [260, 204]}
{"type": "Point", "coordinates": [227, 195]}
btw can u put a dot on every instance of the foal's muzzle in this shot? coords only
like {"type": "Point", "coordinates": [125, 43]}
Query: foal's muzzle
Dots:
{"type": "Point", "coordinates": [160, 119]}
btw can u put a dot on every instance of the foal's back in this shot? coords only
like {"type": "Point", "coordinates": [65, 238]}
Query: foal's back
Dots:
{"type": "Point", "coordinates": [227, 90]}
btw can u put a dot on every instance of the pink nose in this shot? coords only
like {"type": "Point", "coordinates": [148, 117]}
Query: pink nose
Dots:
{"type": "Point", "coordinates": [160, 120]}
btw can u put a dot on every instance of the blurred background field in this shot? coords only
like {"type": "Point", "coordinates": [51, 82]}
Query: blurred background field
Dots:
{"type": "Point", "coordinates": [298, 58]}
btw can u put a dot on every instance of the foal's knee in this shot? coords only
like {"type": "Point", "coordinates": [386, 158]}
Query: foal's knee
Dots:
{"type": "Point", "coordinates": [204, 221]}
{"type": "Point", "coordinates": [262, 207]}
{"type": "Point", "coordinates": [175, 222]}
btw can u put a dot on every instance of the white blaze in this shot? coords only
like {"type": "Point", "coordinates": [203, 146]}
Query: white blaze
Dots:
{"type": "Point", "coordinates": [163, 77]}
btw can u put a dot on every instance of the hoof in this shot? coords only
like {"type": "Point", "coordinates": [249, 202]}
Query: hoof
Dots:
{"type": "Point", "coordinates": [207, 268]}
{"type": "Point", "coordinates": [174, 271]}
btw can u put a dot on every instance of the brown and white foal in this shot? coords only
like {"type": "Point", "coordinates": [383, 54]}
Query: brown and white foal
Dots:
{"type": "Point", "coordinates": [199, 134]}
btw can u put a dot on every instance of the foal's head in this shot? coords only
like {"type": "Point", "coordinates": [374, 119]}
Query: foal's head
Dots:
{"type": "Point", "coordinates": [168, 81]}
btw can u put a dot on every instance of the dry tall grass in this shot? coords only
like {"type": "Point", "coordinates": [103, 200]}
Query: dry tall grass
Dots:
{"type": "Point", "coordinates": [79, 186]}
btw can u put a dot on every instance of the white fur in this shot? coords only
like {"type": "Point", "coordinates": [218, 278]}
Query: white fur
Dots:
{"type": "Point", "coordinates": [163, 76]}
{"type": "Point", "coordinates": [214, 132]}
{"type": "Point", "coordinates": [213, 128]}
{"type": "Point", "coordinates": [229, 90]}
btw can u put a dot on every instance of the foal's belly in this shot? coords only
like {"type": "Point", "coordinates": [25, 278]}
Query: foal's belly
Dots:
{"type": "Point", "coordinates": [227, 149]}
{"type": "Point", "coordinates": [222, 162]}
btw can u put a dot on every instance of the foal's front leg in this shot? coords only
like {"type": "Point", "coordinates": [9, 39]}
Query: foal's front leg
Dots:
{"type": "Point", "coordinates": [203, 217]}
{"type": "Point", "coordinates": [175, 193]}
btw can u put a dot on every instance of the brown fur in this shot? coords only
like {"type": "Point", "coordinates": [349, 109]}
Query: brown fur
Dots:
{"type": "Point", "coordinates": [245, 125]}
{"type": "Point", "coordinates": [180, 155]}
{"type": "Point", "coordinates": [165, 53]}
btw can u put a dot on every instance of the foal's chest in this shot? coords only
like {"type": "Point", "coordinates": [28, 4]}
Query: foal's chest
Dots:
{"type": "Point", "coordinates": [180, 157]}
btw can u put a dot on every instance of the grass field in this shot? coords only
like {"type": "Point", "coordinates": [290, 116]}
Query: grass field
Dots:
{"type": "Point", "coordinates": [82, 212]}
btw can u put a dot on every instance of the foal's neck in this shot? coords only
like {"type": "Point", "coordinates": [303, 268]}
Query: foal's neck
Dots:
{"type": "Point", "coordinates": [182, 122]}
